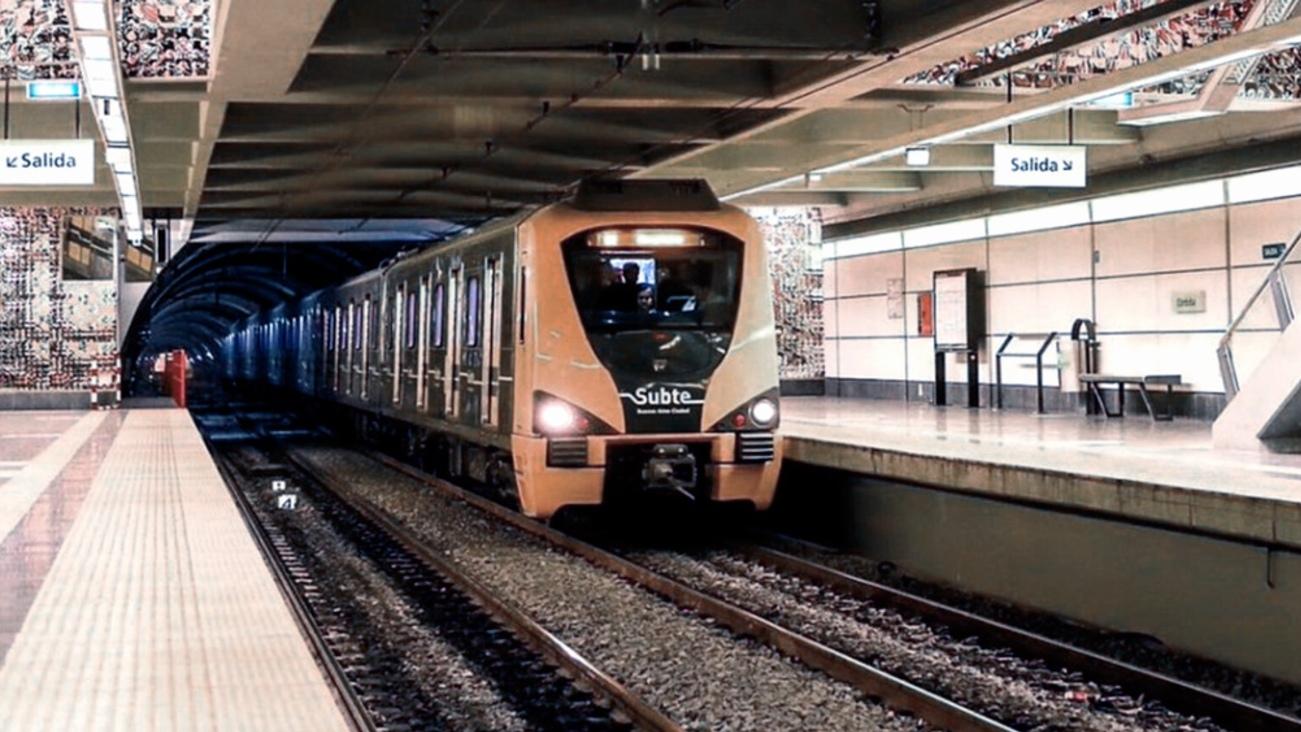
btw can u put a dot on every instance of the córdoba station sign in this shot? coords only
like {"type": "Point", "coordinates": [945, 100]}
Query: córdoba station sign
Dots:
{"type": "Point", "coordinates": [47, 163]}
{"type": "Point", "coordinates": [1041, 166]}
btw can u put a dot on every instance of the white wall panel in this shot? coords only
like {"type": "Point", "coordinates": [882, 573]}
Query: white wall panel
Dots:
{"type": "Point", "coordinates": [1191, 240]}
{"type": "Point", "coordinates": [831, 318]}
{"type": "Point", "coordinates": [830, 351]}
{"type": "Point", "coordinates": [876, 358]}
{"type": "Point", "coordinates": [1046, 255]}
{"type": "Point", "coordinates": [868, 275]}
{"type": "Point", "coordinates": [1147, 303]}
{"type": "Point", "coordinates": [1039, 308]}
{"type": "Point", "coordinates": [924, 263]}
{"type": "Point", "coordinates": [830, 277]}
{"type": "Point", "coordinates": [867, 316]}
{"type": "Point", "coordinates": [1253, 225]}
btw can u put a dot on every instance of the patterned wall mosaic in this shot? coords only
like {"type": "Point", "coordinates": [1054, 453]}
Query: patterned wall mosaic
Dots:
{"type": "Point", "coordinates": [36, 40]}
{"type": "Point", "coordinates": [165, 39]}
{"type": "Point", "coordinates": [1143, 44]}
{"type": "Point", "coordinates": [794, 239]}
{"type": "Point", "coordinates": [53, 334]}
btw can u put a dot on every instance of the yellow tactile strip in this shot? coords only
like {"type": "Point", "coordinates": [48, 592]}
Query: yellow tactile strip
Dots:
{"type": "Point", "coordinates": [159, 612]}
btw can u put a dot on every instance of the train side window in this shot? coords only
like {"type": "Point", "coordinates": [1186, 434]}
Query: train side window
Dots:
{"type": "Point", "coordinates": [411, 320]}
{"type": "Point", "coordinates": [472, 301]}
{"type": "Point", "coordinates": [440, 314]}
{"type": "Point", "coordinates": [356, 326]}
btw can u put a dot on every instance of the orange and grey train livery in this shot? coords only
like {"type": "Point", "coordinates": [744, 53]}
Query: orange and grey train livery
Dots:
{"type": "Point", "coordinates": [614, 345]}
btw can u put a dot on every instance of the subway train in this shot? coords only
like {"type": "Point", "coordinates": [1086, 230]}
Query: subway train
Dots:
{"type": "Point", "coordinates": [616, 345]}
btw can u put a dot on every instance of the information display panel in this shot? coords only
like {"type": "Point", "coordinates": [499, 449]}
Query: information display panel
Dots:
{"type": "Point", "coordinates": [959, 310]}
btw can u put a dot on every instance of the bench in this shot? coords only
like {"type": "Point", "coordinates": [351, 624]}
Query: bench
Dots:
{"type": "Point", "coordinates": [1095, 382]}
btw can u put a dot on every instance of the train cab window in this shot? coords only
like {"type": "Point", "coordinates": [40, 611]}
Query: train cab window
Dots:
{"type": "Point", "coordinates": [656, 301]}
{"type": "Point", "coordinates": [410, 321]}
{"type": "Point", "coordinates": [473, 296]}
{"type": "Point", "coordinates": [439, 315]}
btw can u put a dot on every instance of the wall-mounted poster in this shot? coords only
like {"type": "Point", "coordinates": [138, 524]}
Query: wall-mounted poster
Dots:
{"type": "Point", "coordinates": [959, 310]}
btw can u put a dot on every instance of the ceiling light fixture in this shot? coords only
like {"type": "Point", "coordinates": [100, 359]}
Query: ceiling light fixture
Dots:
{"type": "Point", "coordinates": [918, 157]}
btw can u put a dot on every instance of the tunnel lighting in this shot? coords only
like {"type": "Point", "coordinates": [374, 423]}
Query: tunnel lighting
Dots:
{"type": "Point", "coordinates": [96, 48]}
{"type": "Point", "coordinates": [90, 15]}
{"type": "Point", "coordinates": [918, 157]}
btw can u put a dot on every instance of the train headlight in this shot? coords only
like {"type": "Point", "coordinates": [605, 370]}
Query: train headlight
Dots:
{"type": "Point", "coordinates": [557, 417]}
{"type": "Point", "coordinates": [763, 412]}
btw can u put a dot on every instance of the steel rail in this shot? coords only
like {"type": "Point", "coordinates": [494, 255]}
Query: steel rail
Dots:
{"type": "Point", "coordinates": [354, 710]}
{"type": "Point", "coordinates": [544, 641]}
{"type": "Point", "coordinates": [1178, 694]}
{"type": "Point", "coordinates": [895, 692]}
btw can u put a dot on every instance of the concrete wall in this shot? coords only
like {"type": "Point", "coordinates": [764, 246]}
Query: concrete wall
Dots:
{"type": "Point", "coordinates": [1123, 273]}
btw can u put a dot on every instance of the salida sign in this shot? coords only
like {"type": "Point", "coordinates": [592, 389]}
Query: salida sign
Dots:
{"type": "Point", "coordinates": [47, 163]}
{"type": "Point", "coordinates": [1041, 166]}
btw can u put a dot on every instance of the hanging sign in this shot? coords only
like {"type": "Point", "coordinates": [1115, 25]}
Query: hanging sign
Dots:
{"type": "Point", "coordinates": [47, 163]}
{"type": "Point", "coordinates": [1041, 166]}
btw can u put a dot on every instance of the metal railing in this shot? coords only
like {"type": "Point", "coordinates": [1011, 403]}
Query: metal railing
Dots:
{"type": "Point", "coordinates": [1275, 283]}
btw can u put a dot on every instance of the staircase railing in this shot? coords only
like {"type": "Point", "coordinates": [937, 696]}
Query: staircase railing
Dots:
{"type": "Point", "coordinates": [1276, 284]}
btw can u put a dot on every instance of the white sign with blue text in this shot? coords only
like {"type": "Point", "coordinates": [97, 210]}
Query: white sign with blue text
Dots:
{"type": "Point", "coordinates": [47, 163]}
{"type": "Point", "coordinates": [1041, 166]}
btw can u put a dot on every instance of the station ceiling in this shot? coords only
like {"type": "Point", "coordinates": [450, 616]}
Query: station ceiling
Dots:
{"type": "Point", "coordinates": [405, 121]}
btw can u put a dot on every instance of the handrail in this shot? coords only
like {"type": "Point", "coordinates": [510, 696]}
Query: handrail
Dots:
{"type": "Point", "coordinates": [1039, 367]}
{"type": "Point", "coordinates": [1264, 285]}
{"type": "Point", "coordinates": [1228, 371]}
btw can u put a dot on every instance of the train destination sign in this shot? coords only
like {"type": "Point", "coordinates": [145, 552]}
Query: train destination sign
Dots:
{"type": "Point", "coordinates": [47, 163]}
{"type": "Point", "coordinates": [1041, 166]}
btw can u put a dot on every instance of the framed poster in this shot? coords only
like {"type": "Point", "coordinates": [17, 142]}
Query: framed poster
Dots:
{"type": "Point", "coordinates": [959, 310]}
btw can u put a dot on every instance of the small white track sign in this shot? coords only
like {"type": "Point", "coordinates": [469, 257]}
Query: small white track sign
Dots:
{"type": "Point", "coordinates": [287, 501]}
{"type": "Point", "coordinates": [279, 485]}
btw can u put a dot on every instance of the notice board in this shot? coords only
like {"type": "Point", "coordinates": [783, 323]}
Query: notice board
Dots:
{"type": "Point", "coordinates": [959, 310]}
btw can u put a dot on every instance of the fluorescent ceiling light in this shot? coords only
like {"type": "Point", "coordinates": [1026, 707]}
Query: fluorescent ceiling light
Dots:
{"type": "Point", "coordinates": [1162, 119]}
{"type": "Point", "coordinates": [96, 48]}
{"type": "Point", "coordinates": [114, 130]}
{"type": "Point", "coordinates": [126, 184]}
{"type": "Point", "coordinates": [870, 244]}
{"type": "Point", "coordinates": [99, 68]}
{"type": "Point", "coordinates": [918, 157]}
{"type": "Point", "coordinates": [90, 15]}
{"type": "Point", "coordinates": [954, 231]}
{"type": "Point", "coordinates": [119, 157]}
{"type": "Point", "coordinates": [1280, 183]}
{"type": "Point", "coordinates": [102, 88]}
{"type": "Point", "coordinates": [1039, 219]}
{"type": "Point", "coordinates": [1159, 201]}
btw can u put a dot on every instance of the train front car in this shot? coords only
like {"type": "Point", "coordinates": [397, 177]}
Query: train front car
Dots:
{"type": "Point", "coordinates": [647, 357]}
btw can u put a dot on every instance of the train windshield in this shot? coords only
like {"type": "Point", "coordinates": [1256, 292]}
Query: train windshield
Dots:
{"type": "Point", "coordinates": [655, 302]}
{"type": "Point", "coordinates": [647, 279]}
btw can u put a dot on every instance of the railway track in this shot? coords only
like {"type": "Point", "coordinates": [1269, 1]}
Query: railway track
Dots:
{"type": "Point", "coordinates": [1201, 704]}
{"type": "Point", "coordinates": [545, 682]}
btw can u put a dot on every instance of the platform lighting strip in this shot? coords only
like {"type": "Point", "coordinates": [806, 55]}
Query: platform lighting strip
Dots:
{"type": "Point", "coordinates": [1250, 188]}
{"type": "Point", "coordinates": [1032, 113]}
{"type": "Point", "coordinates": [101, 71]}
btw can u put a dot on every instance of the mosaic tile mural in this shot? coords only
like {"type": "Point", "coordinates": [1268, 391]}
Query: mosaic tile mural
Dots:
{"type": "Point", "coordinates": [165, 39]}
{"type": "Point", "coordinates": [794, 239]}
{"type": "Point", "coordinates": [36, 40]}
{"type": "Point", "coordinates": [53, 334]}
{"type": "Point", "coordinates": [1140, 45]}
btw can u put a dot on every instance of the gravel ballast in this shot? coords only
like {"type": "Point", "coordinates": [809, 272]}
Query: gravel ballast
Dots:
{"type": "Point", "coordinates": [1022, 693]}
{"type": "Point", "coordinates": [701, 675]}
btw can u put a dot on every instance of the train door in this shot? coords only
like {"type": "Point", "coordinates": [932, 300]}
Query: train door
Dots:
{"type": "Point", "coordinates": [410, 338]}
{"type": "Point", "coordinates": [451, 369]}
{"type": "Point", "coordinates": [491, 399]}
{"type": "Point", "coordinates": [398, 314]}
{"type": "Point", "coordinates": [438, 348]}
{"type": "Point", "coordinates": [472, 350]}
{"type": "Point", "coordinates": [422, 344]}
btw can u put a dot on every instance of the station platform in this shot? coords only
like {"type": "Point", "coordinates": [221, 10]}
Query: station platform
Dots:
{"type": "Point", "coordinates": [1133, 468]}
{"type": "Point", "coordinates": [131, 593]}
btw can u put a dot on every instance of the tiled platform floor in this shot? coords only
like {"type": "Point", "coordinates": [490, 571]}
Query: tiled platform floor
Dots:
{"type": "Point", "coordinates": [132, 596]}
{"type": "Point", "coordinates": [1164, 472]}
